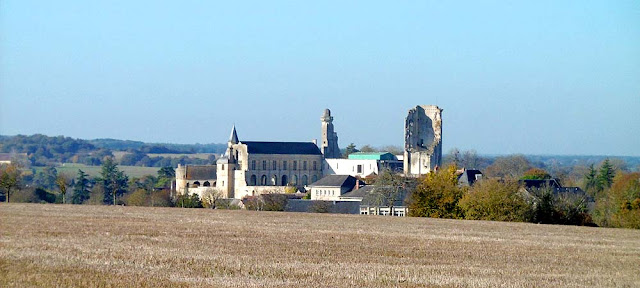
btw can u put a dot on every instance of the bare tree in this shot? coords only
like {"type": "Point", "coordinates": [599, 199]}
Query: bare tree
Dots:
{"type": "Point", "coordinates": [210, 197]}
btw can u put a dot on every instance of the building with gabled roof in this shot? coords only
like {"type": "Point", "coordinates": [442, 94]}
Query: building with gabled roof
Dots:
{"type": "Point", "coordinates": [250, 168]}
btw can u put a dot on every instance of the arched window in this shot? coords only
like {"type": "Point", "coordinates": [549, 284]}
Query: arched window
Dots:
{"type": "Point", "coordinates": [284, 180]}
{"type": "Point", "coordinates": [263, 180]}
{"type": "Point", "coordinates": [253, 180]}
{"type": "Point", "coordinates": [274, 180]}
{"type": "Point", "coordinates": [196, 184]}
{"type": "Point", "coordinates": [206, 184]}
{"type": "Point", "coordinates": [295, 179]}
{"type": "Point", "coordinates": [305, 180]}
{"type": "Point", "coordinates": [314, 178]}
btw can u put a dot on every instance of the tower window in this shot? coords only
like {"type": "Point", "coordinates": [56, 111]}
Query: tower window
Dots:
{"type": "Point", "coordinates": [315, 167]}
{"type": "Point", "coordinates": [275, 165]}
{"type": "Point", "coordinates": [253, 164]}
{"type": "Point", "coordinates": [284, 165]}
{"type": "Point", "coordinates": [264, 165]}
{"type": "Point", "coordinates": [304, 165]}
{"type": "Point", "coordinates": [295, 165]}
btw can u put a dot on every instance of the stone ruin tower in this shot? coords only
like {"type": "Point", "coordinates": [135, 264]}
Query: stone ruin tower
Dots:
{"type": "Point", "coordinates": [422, 140]}
{"type": "Point", "coordinates": [329, 146]}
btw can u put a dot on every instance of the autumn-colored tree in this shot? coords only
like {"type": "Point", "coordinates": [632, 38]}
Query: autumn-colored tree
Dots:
{"type": "Point", "coordinates": [496, 200]}
{"type": "Point", "coordinates": [437, 195]}
{"type": "Point", "coordinates": [535, 174]}
{"type": "Point", "coordinates": [61, 182]}
{"type": "Point", "coordinates": [9, 179]}
{"type": "Point", "coordinates": [621, 205]}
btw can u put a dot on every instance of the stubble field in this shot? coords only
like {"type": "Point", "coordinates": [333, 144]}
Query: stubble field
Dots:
{"type": "Point", "coordinates": [68, 245]}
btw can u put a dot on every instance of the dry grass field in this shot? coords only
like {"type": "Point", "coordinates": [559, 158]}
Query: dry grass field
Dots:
{"type": "Point", "coordinates": [100, 246]}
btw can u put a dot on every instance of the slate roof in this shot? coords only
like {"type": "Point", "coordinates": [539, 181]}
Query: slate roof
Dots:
{"type": "Point", "coordinates": [540, 183]}
{"type": "Point", "coordinates": [201, 172]}
{"type": "Point", "coordinates": [335, 181]}
{"type": "Point", "coordinates": [306, 148]}
{"type": "Point", "coordinates": [468, 177]}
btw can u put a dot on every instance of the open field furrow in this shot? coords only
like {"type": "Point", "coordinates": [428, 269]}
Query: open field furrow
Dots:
{"type": "Point", "coordinates": [68, 245]}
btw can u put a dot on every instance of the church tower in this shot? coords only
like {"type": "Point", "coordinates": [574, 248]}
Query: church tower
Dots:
{"type": "Point", "coordinates": [226, 167]}
{"type": "Point", "coordinates": [329, 146]}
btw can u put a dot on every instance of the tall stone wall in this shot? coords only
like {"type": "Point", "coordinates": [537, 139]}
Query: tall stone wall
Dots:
{"type": "Point", "coordinates": [422, 140]}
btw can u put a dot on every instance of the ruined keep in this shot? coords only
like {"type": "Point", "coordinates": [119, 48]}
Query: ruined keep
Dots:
{"type": "Point", "coordinates": [422, 140]}
{"type": "Point", "coordinates": [329, 146]}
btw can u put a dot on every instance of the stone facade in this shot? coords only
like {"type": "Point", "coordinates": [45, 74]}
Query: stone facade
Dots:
{"type": "Point", "coordinates": [423, 140]}
{"type": "Point", "coordinates": [195, 177]}
{"type": "Point", "coordinates": [329, 144]}
{"type": "Point", "coordinates": [251, 168]}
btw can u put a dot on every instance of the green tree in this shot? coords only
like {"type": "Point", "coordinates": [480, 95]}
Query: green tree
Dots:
{"type": "Point", "coordinates": [81, 190]}
{"type": "Point", "coordinates": [496, 200]}
{"type": "Point", "coordinates": [606, 174]}
{"type": "Point", "coordinates": [591, 184]}
{"type": "Point", "coordinates": [165, 176]}
{"type": "Point", "coordinates": [113, 181]}
{"type": "Point", "coordinates": [351, 148]}
{"type": "Point", "coordinates": [437, 195]}
{"type": "Point", "coordinates": [46, 178]}
{"type": "Point", "coordinates": [10, 178]}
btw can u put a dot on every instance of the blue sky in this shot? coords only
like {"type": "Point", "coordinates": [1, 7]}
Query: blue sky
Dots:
{"type": "Point", "coordinates": [534, 77]}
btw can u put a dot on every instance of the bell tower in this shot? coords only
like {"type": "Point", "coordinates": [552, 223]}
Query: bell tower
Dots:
{"type": "Point", "coordinates": [329, 144]}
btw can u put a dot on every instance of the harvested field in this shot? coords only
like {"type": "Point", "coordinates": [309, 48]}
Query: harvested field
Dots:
{"type": "Point", "coordinates": [69, 245]}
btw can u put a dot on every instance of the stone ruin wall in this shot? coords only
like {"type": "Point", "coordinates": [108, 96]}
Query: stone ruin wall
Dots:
{"type": "Point", "coordinates": [423, 140]}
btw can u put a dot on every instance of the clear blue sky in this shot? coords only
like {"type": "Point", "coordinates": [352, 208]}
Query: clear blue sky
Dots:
{"type": "Point", "coordinates": [534, 77]}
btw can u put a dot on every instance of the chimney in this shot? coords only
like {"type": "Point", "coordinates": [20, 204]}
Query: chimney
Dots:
{"type": "Point", "coordinates": [357, 185]}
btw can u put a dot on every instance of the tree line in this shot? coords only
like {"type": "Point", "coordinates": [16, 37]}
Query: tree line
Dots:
{"type": "Point", "coordinates": [42, 151]}
{"type": "Point", "coordinates": [611, 198]}
{"type": "Point", "coordinates": [111, 187]}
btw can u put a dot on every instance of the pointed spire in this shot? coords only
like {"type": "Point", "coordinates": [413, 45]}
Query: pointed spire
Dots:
{"type": "Point", "coordinates": [233, 139]}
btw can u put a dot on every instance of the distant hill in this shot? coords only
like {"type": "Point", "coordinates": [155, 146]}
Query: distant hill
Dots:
{"type": "Point", "coordinates": [45, 150]}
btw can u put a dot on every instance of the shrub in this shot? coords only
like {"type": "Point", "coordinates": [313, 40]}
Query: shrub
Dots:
{"type": "Point", "coordinates": [497, 201]}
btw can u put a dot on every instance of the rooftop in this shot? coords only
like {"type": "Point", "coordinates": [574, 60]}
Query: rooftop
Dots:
{"type": "Point", "coordinates": [257, 147]}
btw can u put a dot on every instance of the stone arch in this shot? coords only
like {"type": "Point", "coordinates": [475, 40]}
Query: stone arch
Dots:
{"type": "Point", "coordinates": [195, 184]}
{"type": "Point", "coordinates": [295, 180]}
{"type": "Point", "coordinates": [274, 180]}
{"type": "Point", "coordinates": [284, 180]}
{"type": "Point", "coordinates": [263, 180]}
{"type": "Point", "coordinates": [206, 184]}
{"type": "Point", "coordinates": [305, 180]}
{"type": "Point", "coordinates": [253, 180]}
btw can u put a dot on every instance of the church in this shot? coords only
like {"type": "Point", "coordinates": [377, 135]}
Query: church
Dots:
{"type": "Point", "coordinates": [250, 168]}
